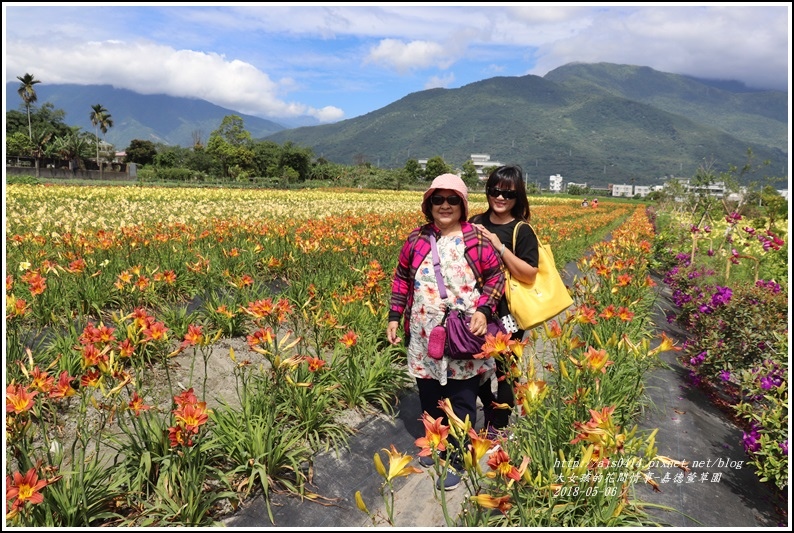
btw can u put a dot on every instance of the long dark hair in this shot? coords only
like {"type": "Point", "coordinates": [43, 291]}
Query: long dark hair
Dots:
{"type": "Point", "coordinates": [511, 177]}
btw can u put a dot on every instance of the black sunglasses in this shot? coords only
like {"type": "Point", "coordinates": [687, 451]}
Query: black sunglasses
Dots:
{"type": "Point", "coordinates": [452, 199]}
{"type": "Point", "coordinates": [504, 193]}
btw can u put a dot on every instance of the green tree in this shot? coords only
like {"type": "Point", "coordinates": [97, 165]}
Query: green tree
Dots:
{"type": "Point", "coordinates": [101, 120]}
{"type": "Point", "coordinates": [297, 158]}
{"type": "Point", "coordinates": [28, 95]}
{"type": "Point", "coordinates": [18, 144]}
{"type": "Point", "coordinates": [435, 167]}
{"type": "Point", "coordinates": [413, 170]}
{"type": "Point", "coordinates": [469, 175]}
{"type": "Point", "coordinates": [39, 147]}
{"type": "Point", "coordinates": [267, 155]}
{"type": "Point", "coordinates": [141, 152]}
{"type": "Point", "coordinates": [45, 117]}
{"type": "Point", "coordinates": [74, 146]}
{"type": "Point", "coordinates": [775, 205]}
{"type": "Point", "coordinates": [230, 144]}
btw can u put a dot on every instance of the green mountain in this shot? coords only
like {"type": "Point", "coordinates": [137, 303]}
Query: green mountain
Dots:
{"type": "Point", "coordinates": [594, 124]}
{"type": "Point", "coordinates": [591, 123]}
{"type": "Point", "coordinates": [158, 118]}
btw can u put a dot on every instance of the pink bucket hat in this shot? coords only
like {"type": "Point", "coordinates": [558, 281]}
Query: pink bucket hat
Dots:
{"type": "Point", "coordinates": [453, 183]}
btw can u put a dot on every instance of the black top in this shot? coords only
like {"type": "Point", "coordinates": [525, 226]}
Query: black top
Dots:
{"type": "Point", "coordinates": [526, 244]}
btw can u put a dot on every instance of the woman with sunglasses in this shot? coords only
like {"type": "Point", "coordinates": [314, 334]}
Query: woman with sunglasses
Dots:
{"type": "Point", "coordinates": [474, 281]}
{"type": "Point", "coordinates": [507, 205]}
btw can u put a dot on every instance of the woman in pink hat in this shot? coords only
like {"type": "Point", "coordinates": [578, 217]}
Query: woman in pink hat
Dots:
{"type": "Point", "coordinates": [472, 275]}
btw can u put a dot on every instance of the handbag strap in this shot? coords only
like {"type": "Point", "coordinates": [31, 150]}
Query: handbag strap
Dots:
{"type": "Point", "coordinates": [515, 233]}
{"type": "Point", "coordinates": [442, 289]}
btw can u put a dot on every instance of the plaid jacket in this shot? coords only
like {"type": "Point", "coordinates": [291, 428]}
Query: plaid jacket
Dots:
{"type": "Point", "coordinates": [480, 254]}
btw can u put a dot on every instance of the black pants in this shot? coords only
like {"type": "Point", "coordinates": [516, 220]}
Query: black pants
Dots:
{"type": "Point", "coordinates": [498, 418]}
{"type": "Point", "coordinates": [462, 394]}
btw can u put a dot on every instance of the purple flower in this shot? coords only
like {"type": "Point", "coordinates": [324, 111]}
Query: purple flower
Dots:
{"type": "Point", "coordinates": [766, 383]}
{"type": "Point", "coordinates": [725, 375]}
{"type": "Point", "coordinates": [710, 252]}
{"type": "Point", "coordinates": [722, 296]}
{"type": "Point", "coordinates": [750, 441]}
{"type": "Point", "coordinates": [784, 446]}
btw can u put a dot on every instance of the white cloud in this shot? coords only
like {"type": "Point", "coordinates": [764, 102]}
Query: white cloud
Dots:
{"type": "Point", "coordinates": [149, 68]}
{"type": "Point", "coordinates": [393, 53]}
{"type": "Point", "coordinates": [440, 81]}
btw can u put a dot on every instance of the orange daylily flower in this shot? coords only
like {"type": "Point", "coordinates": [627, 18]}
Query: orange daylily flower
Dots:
{"type": "Point", "coordinates": [624, 280]}
{"type": "Point", "coordinates": [64, 387]}
{"type": "Point", "coordinates": [193, 336]}
{"type": "Point", "coordinates": [155, 332]}
{"type": "Point", "coordinates": [137, 405]}
{"type": "Point", "coordinates": [19, 399]}
{"type": "Point", "coordinates": [92, 378]}
{"type": "Point", "coordinates": [666, 345]}
{"type": "Point", "coordinates": [186, 397]}
{"type": "Point", "coordinates": [349, 339]}
{"type": "Point", "coordinates": [398, 464]}
{"type": "Point", "coordinates": [435, 438]}
{"type": "Point", "coordinates": [553, 329]}
{"type": "Point", "coordinates": [502, 503]}
{"type": "Point", "coordinates": [500, 464]}
{"type": "Point", "coordinates": [586, 315]}
{"type": "Point", "coordinates": [315, 363]}
{"type": "Point", "coordinates": [625, 315]}
{"type": "Point", "coordinates": [41, 381]}
{"type": "Point", "coordinates": [495, 345]}
{"type": "Point", "coordinates": [478, 447]}
{"type": "Point", "coordinates": [191, 416]}
{"type": "Point", "coordinates": [597, 360]}
{"type": "Point", "coordinates": [454, 420]}
{"type": "Point", "coordinates": [609, 312]}
{"type": "Point", "coordinates": [24, 489]}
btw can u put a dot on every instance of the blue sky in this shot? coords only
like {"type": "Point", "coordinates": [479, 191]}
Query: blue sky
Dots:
{"type": "Point", "coordinates": [336, 61]}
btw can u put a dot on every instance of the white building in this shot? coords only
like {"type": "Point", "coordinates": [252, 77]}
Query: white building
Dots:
{"type": "Point", "coordinates": [555, 183]}
{"type": "Point", "coordinates": [481, 162]}
{"type": "Point", "coordinates": [642, 190]}
{"type": "Point", "coordinates": [623, 190]}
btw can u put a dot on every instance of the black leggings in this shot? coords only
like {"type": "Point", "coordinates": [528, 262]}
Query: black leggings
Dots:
{"type": "Point", "coordinates": [462, 394]}
{"type": "Point", "coordinates": [497, 418]}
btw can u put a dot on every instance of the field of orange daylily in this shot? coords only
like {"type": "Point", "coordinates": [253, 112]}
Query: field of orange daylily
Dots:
{"type": "Point", "coordinates": [106, 284]}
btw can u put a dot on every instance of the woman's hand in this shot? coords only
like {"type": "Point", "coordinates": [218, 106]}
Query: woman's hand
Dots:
{"type": "Point", "coordinates": [495, 242]}
{"type": "Point", "coordinates": [479, 324]}
{"type": "Point", "coordinates": [391, 332]}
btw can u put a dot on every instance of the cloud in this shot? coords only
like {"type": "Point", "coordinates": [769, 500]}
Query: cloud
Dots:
{"type": "Point", "coordinates": [440, 81]}
{"type": "Point", "coordinates": [401, 56]}
{"type": "Point", "coordinates": [738, 43]}
{"type": "Point", "coordinates": [150, 68]}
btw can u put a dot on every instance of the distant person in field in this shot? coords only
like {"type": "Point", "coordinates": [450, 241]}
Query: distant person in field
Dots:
{"type": "Point", "coordinates": [507, 206]}
{"type": "Point", "coordinates": [594, 202]}
{"type": "Point", "coordinates": [474, 282]}
{"type": "Point", "coordinates": [584, 203]}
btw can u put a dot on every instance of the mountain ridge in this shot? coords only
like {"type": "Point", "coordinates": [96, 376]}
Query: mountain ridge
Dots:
{"type": "Point", "coordinates": [590, 122]}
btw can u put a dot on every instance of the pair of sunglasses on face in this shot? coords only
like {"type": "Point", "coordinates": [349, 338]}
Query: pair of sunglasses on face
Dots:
{"type": "Point", "coordinates": [452, 199]}
{"type": "Point", "coordinates": [507, 194]}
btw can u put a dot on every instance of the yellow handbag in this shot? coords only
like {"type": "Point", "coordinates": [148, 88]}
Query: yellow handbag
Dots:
{"type": "Point", "coordinates": [532, 305]}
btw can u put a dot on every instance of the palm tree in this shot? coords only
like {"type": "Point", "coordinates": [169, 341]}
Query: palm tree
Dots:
{"type": "Point", "coordinates": [101, 120]}
{"type": "Point", "coordinates": [28, 95]}
{"type": "Point", "coordinates": [40, 148]}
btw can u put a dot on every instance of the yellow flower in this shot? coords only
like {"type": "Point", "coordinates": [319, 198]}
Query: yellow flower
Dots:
{"type": "Point", "coordinates": [491, 502]}
{"type": "Point", "coordinates": [398, 464]}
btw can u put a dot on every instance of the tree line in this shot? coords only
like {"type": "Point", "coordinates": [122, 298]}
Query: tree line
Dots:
{"type": "Point", "coordinates": [229, 155]}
